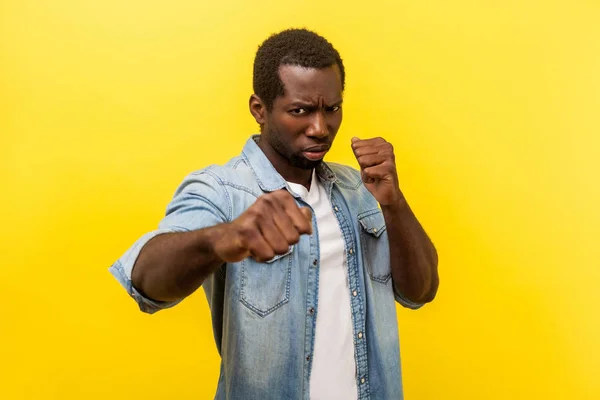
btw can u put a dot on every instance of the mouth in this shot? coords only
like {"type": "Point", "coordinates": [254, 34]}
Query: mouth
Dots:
{"type": "Point", "coordinates": [315, 153]}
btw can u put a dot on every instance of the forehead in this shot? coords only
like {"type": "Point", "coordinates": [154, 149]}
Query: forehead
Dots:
{"type": "Point", "coordinates": [311, 84]}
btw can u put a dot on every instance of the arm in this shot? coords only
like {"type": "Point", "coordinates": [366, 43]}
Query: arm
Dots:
{"type": "Point", "coordinates": [171, 266]}
{"type": "Point", "coordinates": [414, 259]}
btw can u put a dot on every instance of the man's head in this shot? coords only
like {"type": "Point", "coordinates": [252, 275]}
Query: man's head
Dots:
{"type": "Point", "coordinates": [298, 87]}
{"type": "Point", "coordinates": [299, 47]}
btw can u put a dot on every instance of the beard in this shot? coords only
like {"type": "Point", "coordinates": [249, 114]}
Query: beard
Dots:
{"type": "Point", "coordinates": [296, 159]}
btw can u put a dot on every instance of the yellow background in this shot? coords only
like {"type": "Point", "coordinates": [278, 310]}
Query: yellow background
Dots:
{"type": "Point", "coordinates": [493, 108]}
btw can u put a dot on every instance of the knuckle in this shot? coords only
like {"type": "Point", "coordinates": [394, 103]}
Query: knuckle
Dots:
{"type": "Point", "coordinates": [294, 237]}
{"type": "Point", "coordinates": [265, 201]}
{"type": "Point", "coordinates": [281, 248]}
{"type": "Point", "coordinates": [268, 254]}
{"type": "Point", "coordinates": [280, 194]}
{"type": "Point", "coordinates": [255, 210]}
{"type": "Point", "coordinates": [277, 198]}
{"type": "Point", "coordinates": [247, 233]}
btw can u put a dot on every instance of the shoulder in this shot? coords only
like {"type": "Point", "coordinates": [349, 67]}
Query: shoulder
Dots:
{"type": "Point", "coordinates": [350, 183]}
{"type": "Point", "coordinates": [235, 174]}
{"type": "Point", "coordinates": [346, 176]}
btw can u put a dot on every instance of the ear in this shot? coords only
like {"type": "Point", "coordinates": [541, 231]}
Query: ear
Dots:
{"type": "Point", "coordinates": [258, 109]}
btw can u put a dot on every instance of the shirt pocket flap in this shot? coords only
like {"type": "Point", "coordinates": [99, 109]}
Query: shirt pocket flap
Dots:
{"type": "Point", "coordinates": [372, 222]}
{"type": "Point", "coordinates": [281, 255]}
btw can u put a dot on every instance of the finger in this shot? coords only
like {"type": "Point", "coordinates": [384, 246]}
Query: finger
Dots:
{"type": "Point", "coordinates": [358, 143]}
{"type": "Point", "coordinates": [253, 240]}
{"type": "Point", "coordinates": [259, 249]}
{"type": "Point", "coordinates": [280, 217]}
{"type": "Point", "coordinates": [365, 151]}
{"type": "Point", "coordinates": [372, 159]}
{"type": "Point", "coordinates": [272, 235]}
{"type": "Point", "coordinates": [381, 171]}
{"type": "Point", "coordinates": [301, 216]}
{"type": "Point", "coordinates": [365, 178]}
{"type": "Point", "coordinates": [383, 148]}
{"type": "Point", "coordinates": [286, 227]}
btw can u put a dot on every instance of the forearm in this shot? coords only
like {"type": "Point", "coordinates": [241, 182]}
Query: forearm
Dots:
{"type": "Point", "coordinates": [413, 256]}
{"type": "Point", "coordinates": [171, 266]}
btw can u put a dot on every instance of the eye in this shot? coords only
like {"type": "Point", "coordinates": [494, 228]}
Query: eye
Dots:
{"type": "Point", "coordinates": [333, 109]}
{"type": "Point", "coordinates": [298, 111]}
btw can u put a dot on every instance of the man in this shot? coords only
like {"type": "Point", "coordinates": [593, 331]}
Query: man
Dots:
{"type": "Point", "coordinates": [300, 260]}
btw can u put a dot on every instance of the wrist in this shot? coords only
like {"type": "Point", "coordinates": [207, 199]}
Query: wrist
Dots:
{"type": "Point", "coordinates": [397, 206]}
{"type": "Point", "coordinates": [213, 241]}
{"type": "Point", "coordinates": [224, 243]}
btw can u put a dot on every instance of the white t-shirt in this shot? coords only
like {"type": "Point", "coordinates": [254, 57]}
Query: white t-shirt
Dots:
{"type": "Point", "coordinates": [333, 374]}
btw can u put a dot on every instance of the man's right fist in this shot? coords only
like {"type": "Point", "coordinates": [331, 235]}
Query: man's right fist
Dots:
{"type": "Point", "coordinates": [266, 229]}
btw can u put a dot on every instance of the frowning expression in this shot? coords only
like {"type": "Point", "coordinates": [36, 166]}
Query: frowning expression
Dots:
{"type": "Point", "coordinates": [301, 127]}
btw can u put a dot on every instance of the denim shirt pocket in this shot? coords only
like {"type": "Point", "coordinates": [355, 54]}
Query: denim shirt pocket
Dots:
{"type": "Point", "coordinates": [375, 246]}
{"type": "Point", "coordinates": [265, 287]}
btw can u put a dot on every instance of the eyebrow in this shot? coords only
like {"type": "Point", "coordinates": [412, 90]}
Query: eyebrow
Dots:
{"type": "Point", "coordinates": [302, 104]}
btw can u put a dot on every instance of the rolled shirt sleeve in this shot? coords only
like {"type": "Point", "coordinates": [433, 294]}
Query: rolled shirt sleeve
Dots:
{"type": "Point", "coordinates": [200, 201]}
{"type": "Point", "coordinates": [404, 302]}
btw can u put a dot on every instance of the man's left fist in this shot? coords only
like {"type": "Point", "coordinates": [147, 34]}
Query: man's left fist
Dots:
{"type": "Point", "coordinates": [378, 169]}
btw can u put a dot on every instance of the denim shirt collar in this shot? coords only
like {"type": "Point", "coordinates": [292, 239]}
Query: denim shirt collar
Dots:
{"type": "Point", "coordinates": [267, 176]}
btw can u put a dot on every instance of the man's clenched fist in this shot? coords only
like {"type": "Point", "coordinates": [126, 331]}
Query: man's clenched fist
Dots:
{"type": "Point", "coordinates": [266, 229]}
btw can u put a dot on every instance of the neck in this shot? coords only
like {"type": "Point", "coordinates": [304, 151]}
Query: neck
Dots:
{"type": "Point", "coordinates": [283, 166]}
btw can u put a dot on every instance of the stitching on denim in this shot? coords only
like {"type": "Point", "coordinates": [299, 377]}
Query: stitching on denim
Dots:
{"type": "Point", "coordinates": [222, 184]}
{"type": "Point", "coordinates": [243, 188]}
{"type": "Point", "coordinates": [341, 183]}
{"type": "Point", "coordinates": [367, 213]}
{"type": "Point", "coordinates": [367, 235]}
{"type": "Point", "coordinates": [259, 312]}
{"type": "Point", "coordinates": [237, 162]}
{"type": "Point", "coordinates": [380, 229]}
{"type": "Point", "coordinates": [261, 184]}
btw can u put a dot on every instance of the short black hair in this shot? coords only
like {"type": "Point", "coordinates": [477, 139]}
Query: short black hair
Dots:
{"type": "Point", "coordinates": [299, 47]}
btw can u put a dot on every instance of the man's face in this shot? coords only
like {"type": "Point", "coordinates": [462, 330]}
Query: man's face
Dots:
{"type": "Point", "coordinates": [300, 128]}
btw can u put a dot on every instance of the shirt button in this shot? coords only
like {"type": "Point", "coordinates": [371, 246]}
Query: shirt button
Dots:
{"type": "Point", "coordinates": [311, 311]}
{"type": "Point", "coordinates": [336, 208]}
{"type": "Point", "coordinates": [308, 359]}
{"type": "Point", "coordinates": [362, 380]}
{"type": "Point", "coordinates": [315, 262]}
{"type": "Point", "coordinates": [354, 293]}
{"type": "Point", "coordinates": [374, 229]}
{"type": "Point", "coordinates": [360, 335]}
{"type": "Point", "coordinates": [351, 251]}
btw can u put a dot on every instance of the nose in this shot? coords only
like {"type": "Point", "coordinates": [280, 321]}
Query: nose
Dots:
{"type": "Point", "coordinates": [318, 126]}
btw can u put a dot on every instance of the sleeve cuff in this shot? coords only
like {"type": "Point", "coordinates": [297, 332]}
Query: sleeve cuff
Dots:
{"type": "Point", "coordinates": [122, 268]}
{"type": "Point", "coordinates": [403, 301]}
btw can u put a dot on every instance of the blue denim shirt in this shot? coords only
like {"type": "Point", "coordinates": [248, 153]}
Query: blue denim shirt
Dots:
{"type": "Point", "coordinates": [264, 314]}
